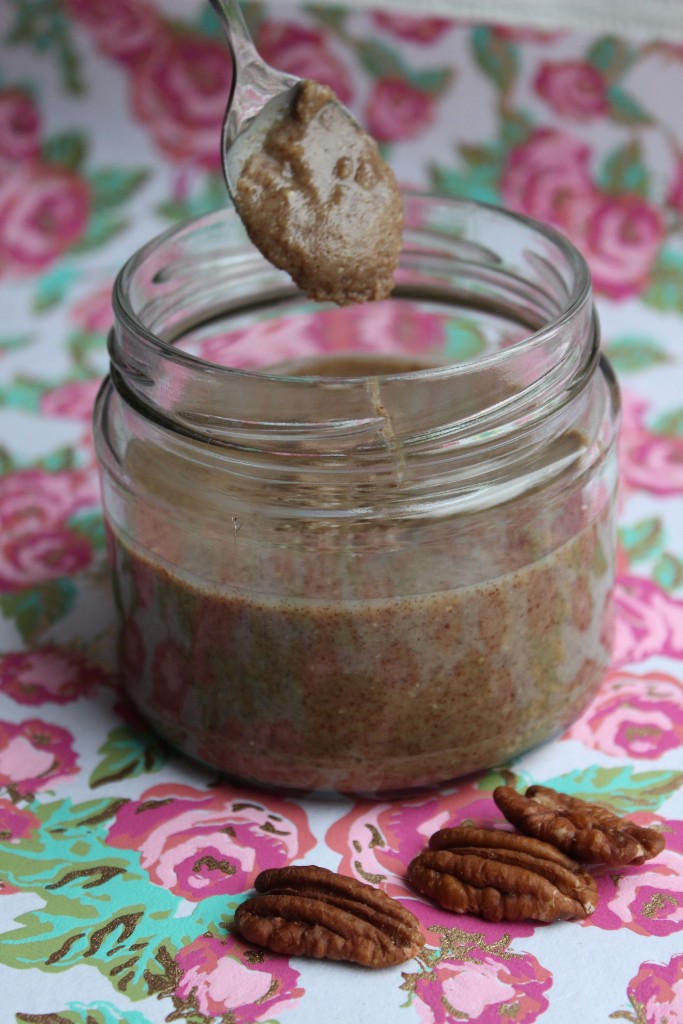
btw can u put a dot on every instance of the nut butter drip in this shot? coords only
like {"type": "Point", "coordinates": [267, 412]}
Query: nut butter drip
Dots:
{"type": "Point", "coordinates": [319, 202]}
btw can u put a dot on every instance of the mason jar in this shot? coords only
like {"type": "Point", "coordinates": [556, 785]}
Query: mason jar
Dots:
{"type": "Point", "coordinates": [366, 548]}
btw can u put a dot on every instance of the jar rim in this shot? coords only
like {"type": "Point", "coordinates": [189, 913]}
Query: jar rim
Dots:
{"type": "Point", "coordinates": [132, 324]}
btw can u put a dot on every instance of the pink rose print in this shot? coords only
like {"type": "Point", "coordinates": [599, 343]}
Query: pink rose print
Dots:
{"type": "Point", "coordinates": [397, 111]}
{"type": "Point", "coordinates": [656, 993]}
{"type": "Point", "coordinates": [647, 898]}
{"type": "Point", "coordinates": [225, 983]}
{"type": "Point", "coordinates": [179, 91]}
{"type": "Point", "coordinates": [36, 544]}
{"type": "Point", "coordinates": [49, 674]}
{"type": "Point", "coordinates": [376, 327]}
{"type": "Point", "coordinates": [621, 237]}
{"type": "Point", "coordinates": [648, 621]}
{"type": "Point", "coordinates": [412, 28]}
{"type": "Point", "coordinates": [547, 177]}
{"type": "Point", "coordinates": [74, 400]}
{"type": "Point", "coordinates": [125, 31]}
{"type": "Point", "coordinates": [483, 989]}
{"type": "Point", "coordinates": [16, 823]}
{"type": "Point", "coordinates": [573, 89]}
{"type": "Point", "coordinates": [200, 845]}
{"type": "Point", "coordinates": [39, 557]}
{"type": "Point", "coordinates": [34, 754]}
{"type": "Point", "coordinates": [656, 465]}
{"type": "Point", "coordinates": [633, 716]}
{"type": "Point", "coordinates": [43, 211]}
{"type": "Point", "coordinates": [304, 52]}
{"type": "Point", "coordinates": [19, 128]}
{"type": "Point", "coordinates": [93, 313]}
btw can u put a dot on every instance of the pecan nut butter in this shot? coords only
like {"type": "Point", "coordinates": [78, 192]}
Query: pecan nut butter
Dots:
{"type": "Point", "coordinates": [352, 571]}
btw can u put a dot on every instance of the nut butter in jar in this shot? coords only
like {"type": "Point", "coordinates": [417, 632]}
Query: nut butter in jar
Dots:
{"type": "Point", "coordinates": [369, 548]}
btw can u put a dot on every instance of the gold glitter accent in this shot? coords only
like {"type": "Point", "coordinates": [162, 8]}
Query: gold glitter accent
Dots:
{"type": "Point", "coordinates": [63, 950]}
{"type": "Point", "coordinates": [634, 732]}
{"type": "Point", "coordinates": [377, 837]}
{"type": "Point", "coordinates": [658, 901]}
{"type": "Point", "coordinates": [508, 1010]}
{"type": "Point", "coordinates": [127, 923]}
{"type": "Point", "coordinates": [243, 806]}
{"type": "Point", "coordinates": [458, 1014]}
{"type": "Point", "coordinates": [373, 879]}
{"type": "Point", "coordinates": [356, 845]}
{"type": "Point", "coordinates": [254, 956]}
{"type": "Point", "coordinates": [104, 871]}
{"type": "Point", "coordinates": [151, 805]}
{"type": "Point", "coordinates": [268, 827]}
{"type": "Point", "coordinates": [212, 864]}
{"type": "Point", "coordinates": [616, 877]}
{"type": "Point", "coordinates": [274, 985]}
{"type": "Point", "coordinates": [112, 808]}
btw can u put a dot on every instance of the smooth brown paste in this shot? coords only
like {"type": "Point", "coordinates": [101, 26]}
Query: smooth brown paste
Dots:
{"type": "Point", "coordinates": [319, 201]}
{"type": "Point", "coordinates": [281, 658]}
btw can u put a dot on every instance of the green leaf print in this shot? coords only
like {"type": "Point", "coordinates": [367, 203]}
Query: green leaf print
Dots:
{"type": "Point", "coordinates": [90, 525]}
{"type": "Point", "coordinates": [44, 26]}
{"type": "Point", "coordinates": [666, 282]}
{"type": "Point", "coordinates": [668, 571]}
{"type": "Point", "coordinates": [212, 196]}
{"type": "Point", "coordinates": [52, 287]}
{"type": "Point", "coordinates": [642, 540]}
{"type": "Point", "coordinates": [102, 227]}
{"type": "Point", "coordinates": [10, 342]}
{"type": "Point", "coordinates": [624, 108]}
{"type": "Point", "coordinates": [624, 171]}
{"type": "Point", "coordinates": [478, 179]}
{"type": "Point", "coordinates": [464, 339]}
{"type": "Point", "coordinates": [36, 609]}
{"type": "Point", "coordinates": [623, 790]}
{"type": "Point", "coordinates": [114, 185]}
{"type": "Point", "coordinates": [379, 59]}
{"type": "Point", "coordinates": [23, 393]}
{"type": "Point", "coordinates": [630, 355]}
{"type": "Point", "coordinates": [68, 149]}
{"type": "Point", "coordinates": [611, 56]}
{"type": "Point", "coordinates": [496, 56]}
{"type": "Point", "coordinates": [334, 17]}
{"type": "Point", "coordinates": [97, 906]}
{"type": "Point", "coordinates": [88, 351]}
{"type": "Point", "coordinates": [670, 423]}
{"type": "Point", "coordinates": [127, 753]}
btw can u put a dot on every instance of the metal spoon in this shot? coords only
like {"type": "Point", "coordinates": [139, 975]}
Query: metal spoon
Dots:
{"type": "Point", "coordinates": [259, 95]}
{"type": "Point", "coordinates": [310, 186]}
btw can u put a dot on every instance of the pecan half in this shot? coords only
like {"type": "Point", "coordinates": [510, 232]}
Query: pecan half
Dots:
{"type": "Point", "coordinates": [586, 831]}
{"type": "Point", "coordinates": [310, 911]}
{"type": "Point", "coordinates": [502, 877]}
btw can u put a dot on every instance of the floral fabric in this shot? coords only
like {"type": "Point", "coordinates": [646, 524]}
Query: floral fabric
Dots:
{"type": "Point", "coordinates": [120, 863]}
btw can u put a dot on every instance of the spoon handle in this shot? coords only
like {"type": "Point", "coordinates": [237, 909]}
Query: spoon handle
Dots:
{"type": "Point", "coordinates": [254, 82]}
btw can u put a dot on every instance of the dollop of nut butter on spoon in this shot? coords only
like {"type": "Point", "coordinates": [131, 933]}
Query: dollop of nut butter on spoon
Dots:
{"type": "Point", "coordinates": [308, 182]}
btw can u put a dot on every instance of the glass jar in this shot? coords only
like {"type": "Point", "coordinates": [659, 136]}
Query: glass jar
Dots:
{"type": "Point", "coordinates": [369, 548]}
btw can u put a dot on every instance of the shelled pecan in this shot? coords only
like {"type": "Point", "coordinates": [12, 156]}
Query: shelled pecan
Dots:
{"type": "Point", "coordinates": [585, 831]}
{"type": "Point", "coordinates": [310, 911]}
{"type": "Point", "coordinates": [500, 876]}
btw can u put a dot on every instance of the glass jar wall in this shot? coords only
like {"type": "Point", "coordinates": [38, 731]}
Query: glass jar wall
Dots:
{"type": "Point", "coordinates": [368, 548]}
